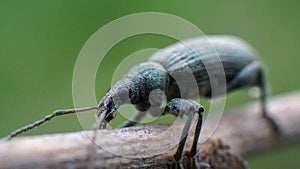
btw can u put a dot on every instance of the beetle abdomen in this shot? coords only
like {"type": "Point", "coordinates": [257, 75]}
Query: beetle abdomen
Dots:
{"type": "Point", "coordinates": [202, 59]}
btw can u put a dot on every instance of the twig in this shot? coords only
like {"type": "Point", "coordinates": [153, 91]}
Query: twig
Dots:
{"type": "Point", "coordinates": [242, 131]}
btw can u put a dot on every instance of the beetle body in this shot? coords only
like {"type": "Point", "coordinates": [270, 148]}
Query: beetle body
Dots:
{"type": "Point", "coordinates": [181, 62]}
{"type": "Point", "coordinates": [227, 52]}
{"type": "Point", "coordinates": [200, 67]}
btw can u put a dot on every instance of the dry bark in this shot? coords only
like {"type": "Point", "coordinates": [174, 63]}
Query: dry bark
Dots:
{"type": "Point", "coordinates": [241, 131]}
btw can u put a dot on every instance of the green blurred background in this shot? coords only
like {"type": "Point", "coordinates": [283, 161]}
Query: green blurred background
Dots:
{"type": "Point", "coordinates": [40, 41]}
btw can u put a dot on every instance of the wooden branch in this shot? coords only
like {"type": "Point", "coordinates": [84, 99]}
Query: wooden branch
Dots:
{"type": "Point", "coordinates": [240, 131]}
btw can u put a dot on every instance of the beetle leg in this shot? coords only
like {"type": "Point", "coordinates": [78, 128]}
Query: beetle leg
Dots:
{"type": "Point", "coordinates": [197, 132]}
{"type": "Point", "coordinates": [245, 77]}
{"type": "Point", "coordinates": [138, 116]}
{"type": "Point", "coordinates": [178, 107]}
{"type": "Point", "coordinates": [253, 75]}
{"type": "Point", "coordinates": [261, 82]}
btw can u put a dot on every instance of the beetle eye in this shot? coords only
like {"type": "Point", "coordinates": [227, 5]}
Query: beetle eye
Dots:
{"type": "Point", "coordinates": [167, 109]}
{"type": "Point", "coordinates": [134, 97]}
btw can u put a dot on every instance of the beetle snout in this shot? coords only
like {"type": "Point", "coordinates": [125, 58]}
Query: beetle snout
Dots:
{"type": "Point", "coordinates": [121, 97]}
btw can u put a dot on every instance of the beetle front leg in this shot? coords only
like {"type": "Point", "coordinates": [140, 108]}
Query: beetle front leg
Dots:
{"type": "Point", "coordinates": [138, 116]}
{"type": "Point", "coordinates": [179, 107]}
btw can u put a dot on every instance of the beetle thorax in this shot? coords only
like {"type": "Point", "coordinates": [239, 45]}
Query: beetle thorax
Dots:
{"type": "Point", "coordinates": [148, 79]}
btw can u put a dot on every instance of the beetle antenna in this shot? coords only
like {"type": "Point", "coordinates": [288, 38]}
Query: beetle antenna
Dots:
{"type": "Point", "coordinates": [46, 119]}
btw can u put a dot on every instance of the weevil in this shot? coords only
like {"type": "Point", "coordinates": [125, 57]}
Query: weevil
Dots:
{"type": "Point", "coordinates": [146, 83]}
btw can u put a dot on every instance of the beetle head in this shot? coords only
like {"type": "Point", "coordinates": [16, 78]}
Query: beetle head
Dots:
{"type": "Point", "coordinates": [135, 88]}
{"type": "Point", "coordinates": [114, 98]}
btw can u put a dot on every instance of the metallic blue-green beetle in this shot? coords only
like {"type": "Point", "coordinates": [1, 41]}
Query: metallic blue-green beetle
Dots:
{"type": "Point", "coordinates": [179, 73]}
{"type": "Point", "coordinates": [240, 68]}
